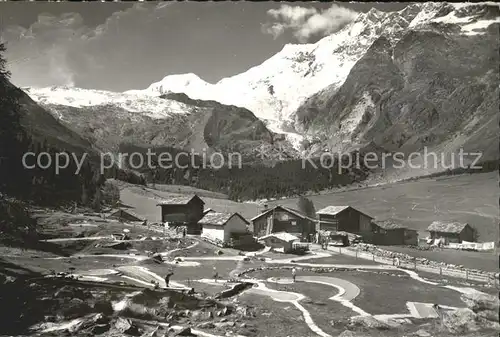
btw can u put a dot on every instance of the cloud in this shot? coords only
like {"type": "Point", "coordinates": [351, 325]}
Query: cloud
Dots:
{"type": "Point", "coordinates": [63, 50]}
{"type": "Point", "coordinates": [305, 23]}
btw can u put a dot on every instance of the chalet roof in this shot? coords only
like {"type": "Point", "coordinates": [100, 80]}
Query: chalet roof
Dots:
{"type": "Point", "coordinates": [388, 224]}
{"type": "Point", "coordinates": [447, 227]}
{"type": "Point", "coordinates": [179, 200]}
{"type": "Point", "coordinates": [118, 212]}
{"type": "Point", "coordinates": [208, 210]}
{"type": "Point", "coordinates": [283, 236]}
{"type": "Point", "coordinates": [287, 209]}
{"type": "Point", "coordinates": [218, 218]}
{"type": "Point", "coordinates": [334, 210]}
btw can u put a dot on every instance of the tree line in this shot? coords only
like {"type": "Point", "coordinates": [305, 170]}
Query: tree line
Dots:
{"type": "Point", "coordinates": [250, 181]}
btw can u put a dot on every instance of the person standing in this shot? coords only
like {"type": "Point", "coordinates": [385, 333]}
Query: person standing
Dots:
{"type": "Point", "coordinates": [216, 274]}
{"type": "Point", "coordinates": [167, 279]}
{"type": "Point", "coordinates": [184, 233]}
{"type": "Point", "coordinates": [294, 273]}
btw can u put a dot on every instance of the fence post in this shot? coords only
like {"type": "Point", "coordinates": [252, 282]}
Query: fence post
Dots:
{"type": "Point", "coordinates": [356, 254]}
{"type": "Point", "coordinates": [440, 271]}
{"type": "Point", "coordinates": [340, 250]}
{"type": "Point", "coordinates": [373, 257]}
{"type": "Point", "coordinates": [466, 275]}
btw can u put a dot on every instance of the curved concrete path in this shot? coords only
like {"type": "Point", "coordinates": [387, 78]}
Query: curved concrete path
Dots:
{"type": "Point", "coordinates": [347, 291]}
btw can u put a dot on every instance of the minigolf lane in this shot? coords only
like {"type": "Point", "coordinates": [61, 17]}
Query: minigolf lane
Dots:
{"type": "Point", "coordinates": [290, 297]}
{"type": "Point", "coordinates": [347, 291]}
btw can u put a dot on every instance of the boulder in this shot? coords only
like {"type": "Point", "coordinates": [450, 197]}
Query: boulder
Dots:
{"type": "Point", "coordinates": [489, 315]}
{"type": "Point", "coordinates": [99, 329]}
{"type": "Point", "coordinates": [464, 320]}
{"type": "Point", "coordinates": [75, 307]}
{"type": "Point", "coordinates": [368, 322]}
{"type": "Point", "coordinates": [185, 332]}
{"type": "Point", "coordinates": [348, 333]}
{"type": "Point", "coordinates": [478, 301]}
{"type": "Point", "coordinates": [127, 327]}
{"type": "Point", "coordinates": [224, 325]}
{"type": "Point", "coordinates": [70, 292]}
{"type": "Point", "coordinates": [206, 325]}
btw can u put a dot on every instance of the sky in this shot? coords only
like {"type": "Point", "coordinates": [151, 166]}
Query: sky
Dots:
{"type": "Point", "coordinates": [119, 46]}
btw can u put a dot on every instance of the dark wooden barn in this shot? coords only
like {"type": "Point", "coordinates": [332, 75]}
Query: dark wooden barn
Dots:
{"type": "Point", "coordinates": [343, 218]}
{"type": "Point", "coordinates": [183, 211]}
{"type": "Point", "coordinates": [283, 219]}
{"type": "Point", "coordinates": [454, 232]}
{"type": "Point", "coordinates": [391, 232]}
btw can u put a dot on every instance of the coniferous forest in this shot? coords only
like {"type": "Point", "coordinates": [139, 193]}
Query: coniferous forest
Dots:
{"type": "Point", "coordinates": [250, 181]}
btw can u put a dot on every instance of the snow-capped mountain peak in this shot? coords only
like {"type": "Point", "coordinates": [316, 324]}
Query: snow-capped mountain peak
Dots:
{"type": "Point", "coordinates": [275, 89]}
{"type": "Point", "coordinates": [150, 106]}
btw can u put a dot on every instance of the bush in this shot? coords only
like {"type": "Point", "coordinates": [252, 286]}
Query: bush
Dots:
{"type": "Point", "coordinates": [110, 193]}
{"type": "Point", "coordinates": [15, 220]}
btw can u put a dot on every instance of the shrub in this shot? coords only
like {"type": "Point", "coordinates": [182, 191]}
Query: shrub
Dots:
{"type": "Point", "coordinates": [110, 193]}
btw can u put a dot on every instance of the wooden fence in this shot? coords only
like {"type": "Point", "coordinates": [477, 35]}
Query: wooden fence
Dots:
{"type": "Point", "coordinates": [468, 275]}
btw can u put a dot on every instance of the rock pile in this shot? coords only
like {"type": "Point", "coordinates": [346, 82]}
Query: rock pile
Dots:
{"type": "Point", "coordinates": [373, 249]}
{"type": "Point", "coordinates": [313, 269]}
{"type": "Point", "coordinates": [481, 314]}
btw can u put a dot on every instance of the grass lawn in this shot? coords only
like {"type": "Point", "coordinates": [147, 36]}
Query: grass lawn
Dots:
{"type": "Point", "coordinates": [181, 189]}
{"type": "Point", "coordinates": [457, 282]}
{"type": "Point", "coordinates": [382, 293]}
{"type": "Point", "coordinates": [43, 265]}
{"type": "Point", "coordinates": [487, 261]}
{"type": "Point", "coordinates": [143, 201]}
{"type": "Point", "coordinates": [387, 294]}
{"type": "Point", "coordinates": [466, 198]}
{"type": "Point", "coordinates": [276, 319]}
{"type": "Point", "coordinates": [323, 311]}
{"type": "Point", "coordinates": [160, 245]}
{"type": "Point", "coordinates": [204, 248]}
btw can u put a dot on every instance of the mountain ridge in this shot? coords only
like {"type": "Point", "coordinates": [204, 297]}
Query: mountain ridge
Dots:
{"type": "Point", "coordinates": [310, 94]}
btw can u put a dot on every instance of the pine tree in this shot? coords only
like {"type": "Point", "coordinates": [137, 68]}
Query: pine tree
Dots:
{"type": "Point", "coordinates": [306, 206]}
{"type": "Point", "coordinates": [11, 148]}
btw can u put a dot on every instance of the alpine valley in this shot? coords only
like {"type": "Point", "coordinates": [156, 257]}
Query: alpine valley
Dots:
{"type": "Point", "coordinates": [425, 77]}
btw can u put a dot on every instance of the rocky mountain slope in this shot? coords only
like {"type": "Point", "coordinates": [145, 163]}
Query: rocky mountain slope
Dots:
{"type": "Point", "coordinates": [173, 120]}
{"type": "Point", "coordinates": [283, 84]}
{"type": "Point", "coordinates": [43, 126]}
{"type": "Point", "coordinates": [435, 87]}
{"type": "Point", "coordinates": [422, 76]}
